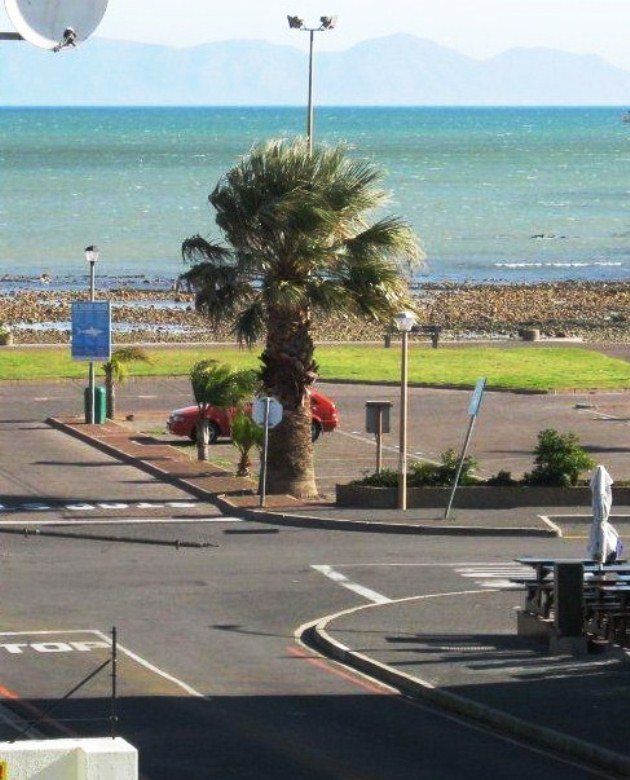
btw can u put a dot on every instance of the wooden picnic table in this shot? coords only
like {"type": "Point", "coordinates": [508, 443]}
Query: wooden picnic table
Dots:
{"type": "Point", "coordinates": [539, 589]}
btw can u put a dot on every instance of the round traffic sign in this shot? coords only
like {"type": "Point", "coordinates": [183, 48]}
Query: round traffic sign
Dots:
{"type": "Point", "coordinates": [275, 411]}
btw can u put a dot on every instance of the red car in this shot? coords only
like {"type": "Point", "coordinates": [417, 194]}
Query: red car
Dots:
{"type": "Point", "coordinates": [181, 422]}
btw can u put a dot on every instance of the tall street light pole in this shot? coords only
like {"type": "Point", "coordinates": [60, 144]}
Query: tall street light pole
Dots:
{"type": "Point", "coordinates": [404, 323]}
{"type": "Point", "coordinates": [91, 256]}
{"type": "Point", "coordinates": [326, 23]}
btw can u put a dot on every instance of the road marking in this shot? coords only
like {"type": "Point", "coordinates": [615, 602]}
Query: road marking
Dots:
{"type": "Point", "coordinates": [151, 667]}
{"type": "Point", "coordinates": [36, 507]}
{"type": "Point", "coordinates": [113, 506]}
{"type": "Point", "coordinates": [80, 507]}
{"type": "Point", "coordinates": [106, 642]}
{"type": "Point", "coordinates": [146, 397]}
{"type": "Point", "coordinates": [120, 521]}
{"type": "Point", "coordinates": [496, 576]}
{"type": "Point", "coordinates": [341, 579]}
{"type": "Point", "coordinates": [181, 504]}
{"type": "Point", "coordinates": [15, 648]}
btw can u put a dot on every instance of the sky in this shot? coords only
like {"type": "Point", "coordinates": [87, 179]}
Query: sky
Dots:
{"type": "Point", "coordinates": [479, 28]}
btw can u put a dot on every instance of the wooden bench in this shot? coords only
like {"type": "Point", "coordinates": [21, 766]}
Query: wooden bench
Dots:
{"type": "Point", "coordinates": [433, 331]}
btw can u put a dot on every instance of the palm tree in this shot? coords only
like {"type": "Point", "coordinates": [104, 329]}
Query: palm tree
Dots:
{"type": "Point", "coordinates": [216, 384]}
{"type": "Point", "coordinates": [246, 435]}
{"type": "Point", "coordinates": [116, 371]}
{"type": "Point", "coordinates": [298, 239]}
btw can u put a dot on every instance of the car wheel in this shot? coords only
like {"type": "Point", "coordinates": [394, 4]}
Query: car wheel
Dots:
{"type": "Point", "coordinates": [213, 433]}
{"type": "Point", "coordinates": [316, 431]}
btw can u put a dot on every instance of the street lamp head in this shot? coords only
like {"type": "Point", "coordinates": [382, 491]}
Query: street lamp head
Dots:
{"type": "Point", "coordinates": [92, 253]}
{"type": "Point", "coordinates": [328, 22]}
{"type": "Point", "coordinates": [295, 23]}
{"type": "Point", "coordinates": [405, 321]}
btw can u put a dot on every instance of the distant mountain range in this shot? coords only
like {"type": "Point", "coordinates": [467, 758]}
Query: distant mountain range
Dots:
{"type": "Point", "coordinates": [395, 70]}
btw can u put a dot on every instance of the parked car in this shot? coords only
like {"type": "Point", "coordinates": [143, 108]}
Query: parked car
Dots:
{"type": "Point", "coordinates": [182, 422]}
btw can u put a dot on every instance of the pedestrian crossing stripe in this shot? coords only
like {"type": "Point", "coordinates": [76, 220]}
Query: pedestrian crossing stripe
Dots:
{"type": "Point", "coordinates": [494, 575]}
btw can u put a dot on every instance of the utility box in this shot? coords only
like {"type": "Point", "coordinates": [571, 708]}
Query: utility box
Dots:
{"type": "Point", "coordinates": [99, 405]}
{"type": "Point", "coordinates": [375, 410]}
{"type": "Point", "coordinates": [377, 422]}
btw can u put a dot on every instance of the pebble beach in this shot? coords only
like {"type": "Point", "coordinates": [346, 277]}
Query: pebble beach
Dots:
{"type": "Point", "coordinates": [593, 311]}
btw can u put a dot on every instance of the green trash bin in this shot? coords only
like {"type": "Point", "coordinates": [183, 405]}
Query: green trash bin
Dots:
{"type": "Point", "coordinates": [99, 405]}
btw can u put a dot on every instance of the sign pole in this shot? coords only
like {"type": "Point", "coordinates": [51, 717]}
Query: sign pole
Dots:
{"type": "Point", "coordinates": [263, 470]}
{"type": "Point", "coordinates": [473, 411]}
{"type": "Point", "coordinates": [379, 440]}
{"type": "Point", "coordinates": [91, 369]}
{"type": "Point", "coordinates": [460, 465]}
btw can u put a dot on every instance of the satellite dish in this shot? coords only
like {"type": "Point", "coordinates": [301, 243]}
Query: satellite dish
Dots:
{"type": "Point", "coordinates": [55, 24]}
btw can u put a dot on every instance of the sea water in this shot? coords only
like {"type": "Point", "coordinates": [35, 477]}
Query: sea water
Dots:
{"type": "Point", "coordinates": [512, 194]}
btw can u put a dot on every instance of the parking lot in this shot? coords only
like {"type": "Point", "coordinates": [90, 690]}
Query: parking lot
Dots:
{"type": "Point", "coordinates": [504, 437]}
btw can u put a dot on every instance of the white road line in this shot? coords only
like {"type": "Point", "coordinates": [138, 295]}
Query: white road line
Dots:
{"type": "Point", "coordinates": [80, 507]}
{"type": "Point", "coordinates": [119, 521]}
{"type": "Point", "coordinates": [341, 579]}
{"type": "Point", "coordinates": [496, 576]}
{"type": "Point", "coordinates": [147, 396]}
{"type": "Point", "coordinates": [152, 668]}
{"type": "Point", "coordinates": [113, 506]}
{"type": "Point", "coordinates": [129, 653]}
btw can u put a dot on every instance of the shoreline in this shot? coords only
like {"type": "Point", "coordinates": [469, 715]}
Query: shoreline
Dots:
{"type": "Point", "coordinates": [595, 311]}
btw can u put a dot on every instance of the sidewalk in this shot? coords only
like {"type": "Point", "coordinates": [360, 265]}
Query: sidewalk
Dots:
{"type": "Point", "coordinates": [461, 652]}
{"type": "Point", "coordinates": [237, 495]}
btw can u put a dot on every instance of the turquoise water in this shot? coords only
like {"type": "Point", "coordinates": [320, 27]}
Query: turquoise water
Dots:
{"type": "Point", "coordinates": [512, 194]}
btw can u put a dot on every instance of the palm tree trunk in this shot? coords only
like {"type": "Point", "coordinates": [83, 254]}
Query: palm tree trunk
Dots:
{"type": "Point", "coordinates": [203, 444]}
{"type": "Point", "coordinates": [109, 395]}
{"type": "Point", "coordinates": [288, 372]}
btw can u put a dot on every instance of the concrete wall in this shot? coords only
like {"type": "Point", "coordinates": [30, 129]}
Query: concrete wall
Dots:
{"type": "Point", "coordinates": [70, 759]}
{"type": "Point", "coordinates": [480, 497]}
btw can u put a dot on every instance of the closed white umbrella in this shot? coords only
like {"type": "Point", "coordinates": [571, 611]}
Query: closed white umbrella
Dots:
{"type": "Point", "coordinates": [604, 545]}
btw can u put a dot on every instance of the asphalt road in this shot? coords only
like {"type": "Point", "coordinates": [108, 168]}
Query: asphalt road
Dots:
{"type": "Point", "coordinates": [212, 681]}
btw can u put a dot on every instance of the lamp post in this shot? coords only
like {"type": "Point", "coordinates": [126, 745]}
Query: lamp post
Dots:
{"type": "Point", "coordinates": [91, 256]}
{"type": "Point", "coordinates": [404, 323]}
{"type": "Point", "coordinates": [326, 23]}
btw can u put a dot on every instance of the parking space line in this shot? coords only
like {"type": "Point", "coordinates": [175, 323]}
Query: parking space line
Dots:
{"type": "Point", "coordinates": [151, 667]}
{"type": "Point", "coordinates": [341, 579]}
{"type": "Point", "coordinates": [107, 640]}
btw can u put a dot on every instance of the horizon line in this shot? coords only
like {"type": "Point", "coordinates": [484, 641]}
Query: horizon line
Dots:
{"type": "Point", "coordinates": [301, 107]}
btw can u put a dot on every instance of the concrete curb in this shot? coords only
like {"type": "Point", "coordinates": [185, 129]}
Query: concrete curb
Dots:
{"type": "Point", "coordinates": [498, 720]}
{"type": "Point", "coordinates": [288, 519]}
{"type": "Point", "coordinates": [377, 526]}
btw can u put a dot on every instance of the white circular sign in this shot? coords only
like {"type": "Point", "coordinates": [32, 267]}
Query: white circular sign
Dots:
{"type": "Point", "coordinates": [275, 411]}
{"type": "Point", "coordinates": [45, 22]}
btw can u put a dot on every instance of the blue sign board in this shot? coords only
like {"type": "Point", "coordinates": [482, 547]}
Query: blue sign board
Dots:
{"type": "Point", "coordinates": [475, 401]}
{"type": "Point", "coordinates": [91, 330]}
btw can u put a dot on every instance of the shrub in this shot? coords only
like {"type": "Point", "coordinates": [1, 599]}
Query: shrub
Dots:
{"type": "Point", "coordinates": [423, 474]}
{"type": "Point", "coordinates": [559, 460]}
{"type": "Point", "coordinates": [502, 479]}
{"type": "Point", "coordinates": [387, 478]}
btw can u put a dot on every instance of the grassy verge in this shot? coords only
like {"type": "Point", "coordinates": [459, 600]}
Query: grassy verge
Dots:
{"type": "Point", "coordinates": [514, 368]}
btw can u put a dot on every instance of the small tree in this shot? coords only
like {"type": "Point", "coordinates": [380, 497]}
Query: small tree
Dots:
{"type": "Point", "coordinates": [116, 371]}
{"type": "Point", "coordinates": [559, 459]}
{"type": "Point", "coordinates": [217, 384]}
{"type": "Point", "coordinates": [246, 434]}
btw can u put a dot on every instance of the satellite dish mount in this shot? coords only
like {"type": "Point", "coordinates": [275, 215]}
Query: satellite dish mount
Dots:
{"type": "Point", "coordinates": [53, 24]}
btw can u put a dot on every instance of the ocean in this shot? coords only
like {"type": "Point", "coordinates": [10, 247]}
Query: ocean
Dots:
{"type": "Point", "coordinates": [501, 194]}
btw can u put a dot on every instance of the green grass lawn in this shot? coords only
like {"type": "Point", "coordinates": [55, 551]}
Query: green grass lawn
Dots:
{"type": "Point", "coordinates": [514, 368]}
